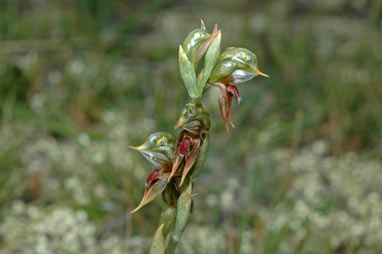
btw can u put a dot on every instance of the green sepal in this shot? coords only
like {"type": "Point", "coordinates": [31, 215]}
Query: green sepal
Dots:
{"type": "Point", "coordinates": [188, 74]}
{"type": "Point", "coordinates": [158, 246]}
{"type": "Point", "coordinates": [192, 43]}
{"type": "Point", "coordinates": [210, 60]}
{"type": "Point", "coordinates": [235, 65]}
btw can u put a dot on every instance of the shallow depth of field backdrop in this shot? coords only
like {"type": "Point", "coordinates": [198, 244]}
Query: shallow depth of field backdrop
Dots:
{"type": "Point", "coordinates": [82, 80]}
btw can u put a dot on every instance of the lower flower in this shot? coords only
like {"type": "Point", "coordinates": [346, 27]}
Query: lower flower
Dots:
{"type": "Point", "coordinates": [155, 184]}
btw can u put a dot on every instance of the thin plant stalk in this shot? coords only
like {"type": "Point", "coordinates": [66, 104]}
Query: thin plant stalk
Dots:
{"type": "Point", "coordinates": [177, 161]}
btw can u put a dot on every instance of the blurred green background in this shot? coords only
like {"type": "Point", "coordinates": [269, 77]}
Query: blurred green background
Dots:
{"type": "Point", "coordinates": [81, 80]}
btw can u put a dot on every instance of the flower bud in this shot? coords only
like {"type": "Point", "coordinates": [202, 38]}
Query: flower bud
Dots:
{"type": "Point", "coordinates": [197, 42]}
{"type": "Point", "coordinates": [194, 118]}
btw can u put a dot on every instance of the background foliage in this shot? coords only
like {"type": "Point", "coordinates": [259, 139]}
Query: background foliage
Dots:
{"type": "Point", "coordinates": [82, 80]}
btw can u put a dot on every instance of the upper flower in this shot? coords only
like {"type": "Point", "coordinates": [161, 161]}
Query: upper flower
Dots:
{"type": "Point", "coordinates": [197, 42]}
{"type": "Point", "coordinates": [234, 66]}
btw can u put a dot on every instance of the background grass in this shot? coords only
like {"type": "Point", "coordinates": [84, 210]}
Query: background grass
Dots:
{"type": "Point", "coordinates": [82, 80]}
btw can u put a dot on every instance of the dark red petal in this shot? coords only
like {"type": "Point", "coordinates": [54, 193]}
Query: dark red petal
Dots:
{"type": "Point", "coordinates": [185, 146]}
{"type": "Point", "coordinates": [227, 108]}
{"type": "Point", "coordinates": [180, 139]}
{"type": "Point", "coordinates": [223, 103]}
{"type": "Point", "coordinates": [152, 176]}
{"type": "Point", "coordinates": [233, 90]}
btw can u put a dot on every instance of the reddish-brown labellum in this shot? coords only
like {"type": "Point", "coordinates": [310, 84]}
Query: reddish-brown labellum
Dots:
{"type": "Point", "coordinates": [233, 90]}
{"type": "Point", "coordinates": [155, 185]}
{"type": "Point", "coordinates": [227, 92]}
{"type": "Point", "coordinates": [153, 176]}
{"type": "Point", "coordinates": [187, 147]}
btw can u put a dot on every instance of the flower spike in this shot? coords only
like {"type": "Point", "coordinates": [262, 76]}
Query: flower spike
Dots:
{"type": "Point", "coordinates": [179, 161]}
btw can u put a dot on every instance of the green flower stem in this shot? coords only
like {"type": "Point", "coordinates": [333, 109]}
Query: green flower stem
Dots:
{"type": "Point", "coordinates": [183, 212]}
{"type": "Point", "coordinates": [158, 246]}
{"type": "Point", "coordinates": [168, 219]}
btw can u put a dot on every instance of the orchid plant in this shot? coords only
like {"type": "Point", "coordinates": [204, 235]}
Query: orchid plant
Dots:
{"type": "Point", "coordinates": [178, 161]}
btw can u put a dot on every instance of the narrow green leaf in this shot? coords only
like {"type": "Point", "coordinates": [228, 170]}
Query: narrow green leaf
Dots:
{"type": "Point", "coordinates": [158, 246]}
{"type": "Point", "coordinates": [188, 74]}
{"type": "Point", "coordinates": [167, 218]}
{"type": "Point", "coordinates": [183, 210]}
{"type": "Point", "coordinates": [211, 58]}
